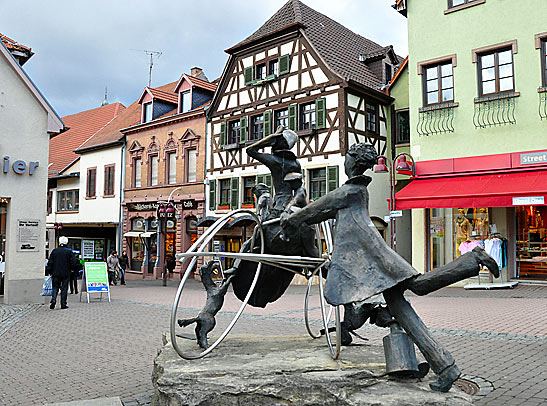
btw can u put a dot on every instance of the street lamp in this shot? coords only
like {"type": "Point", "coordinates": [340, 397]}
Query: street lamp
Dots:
{"type": "Point", "coordinates": [401, 165]}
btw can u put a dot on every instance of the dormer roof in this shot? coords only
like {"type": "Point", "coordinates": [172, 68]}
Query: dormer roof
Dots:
{"type": "Point", "coordinates": [400, 6]}
{"type": "Point", "coordinates": [337, 45]}
{"type": "Point", "coordinates": [156, 93]}
{"type": "Point", "coordinates": [195, 81]}
{"type": "Point", "coordinates": [21, 52]}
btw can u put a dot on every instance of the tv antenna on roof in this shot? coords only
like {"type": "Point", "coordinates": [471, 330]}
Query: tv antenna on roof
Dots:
{"type": "Point", "coordinates": [152, 54]}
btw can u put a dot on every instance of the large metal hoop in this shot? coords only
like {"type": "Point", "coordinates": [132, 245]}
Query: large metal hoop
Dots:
{"type": "Point", "coordinates": [201, 243]}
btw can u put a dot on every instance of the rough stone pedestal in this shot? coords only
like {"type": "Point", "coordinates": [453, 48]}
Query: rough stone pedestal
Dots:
{"type": "Point", "coordinates": [259, 370]}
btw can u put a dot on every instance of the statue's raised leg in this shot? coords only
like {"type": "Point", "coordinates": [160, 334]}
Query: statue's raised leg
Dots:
{"type": "Point", "coordinates": [466, 266]}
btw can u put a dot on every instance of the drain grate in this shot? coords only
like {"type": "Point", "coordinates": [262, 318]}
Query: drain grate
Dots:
{"type": "Point", "coordinates": [467, 386]}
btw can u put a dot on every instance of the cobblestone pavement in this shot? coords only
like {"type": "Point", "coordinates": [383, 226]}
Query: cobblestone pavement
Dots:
{"type": "Point", "coordinates": [101, 349]}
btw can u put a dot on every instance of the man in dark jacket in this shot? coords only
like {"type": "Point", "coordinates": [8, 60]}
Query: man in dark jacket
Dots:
{"type": "Point", "coordinates": [61, 262]}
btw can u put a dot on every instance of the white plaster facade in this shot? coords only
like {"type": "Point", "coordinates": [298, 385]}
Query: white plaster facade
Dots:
{"type": "Point", "coordinates": [26, 121]}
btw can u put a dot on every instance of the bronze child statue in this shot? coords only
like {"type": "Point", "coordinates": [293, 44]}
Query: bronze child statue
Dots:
{"type": "Point", "coordinates": [205, 320]}
{"type": "Point", "coordinates": [363, 265]}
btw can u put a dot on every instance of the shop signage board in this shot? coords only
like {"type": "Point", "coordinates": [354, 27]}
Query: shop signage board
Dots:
{"type": "Point", "coordinates": [28, 234]}
{"type": "Point", "coordinates": [396, 213]}
{"type": "Point", "coordinates": [96, 279]}
{"type": "Point", "coordinates": [528, 200]}
{"type": "Point", "coordinates": [88, 249]}
{"type": "Point", "coordinates": [531, 158]}
{"type": "Point", "coordinates": [186, 204]}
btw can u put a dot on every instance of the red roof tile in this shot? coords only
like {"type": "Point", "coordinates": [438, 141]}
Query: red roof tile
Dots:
{"type": "Point", "coordinates": [164, 95]}
{"type": "Point", "coordinates": [12, 44]}
{"type": "Point", "coordinates": [82, 126]}
{"type": "Point", "coordinates": [202, 83]}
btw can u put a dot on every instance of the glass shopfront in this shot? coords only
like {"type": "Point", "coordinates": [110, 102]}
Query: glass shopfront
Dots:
{"type": "Point", "coordinates": [532, 242]}
{"type": "Point", "coordinates": [136, 245]}
{"type": "Point", "coordinates": [453, 232]}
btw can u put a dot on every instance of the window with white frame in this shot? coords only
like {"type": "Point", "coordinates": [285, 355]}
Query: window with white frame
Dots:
{"type": "Point", "coordinates": [153, 171]}
{"type": "Point", "coordinates": [186, 101]}
{"type": "Point", "coordinates": [171, 168]}
{"type": "Point", "coordinates": [191, 170]}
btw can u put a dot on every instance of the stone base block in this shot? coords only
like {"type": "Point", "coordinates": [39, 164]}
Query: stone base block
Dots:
{"type": "Point", "coordinates": [297, 371]}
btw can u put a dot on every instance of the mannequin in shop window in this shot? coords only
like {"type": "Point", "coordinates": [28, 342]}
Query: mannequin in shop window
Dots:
{"type": "Point", "coordinates": [481, 223]}
{"type": "Point", "coordinates": [463, 229]}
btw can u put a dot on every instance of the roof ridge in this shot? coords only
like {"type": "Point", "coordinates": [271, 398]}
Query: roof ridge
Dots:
{"type": "Point", "coordinates": [297, 12]}
{"type": "Point", "coordinates": [94, 108]}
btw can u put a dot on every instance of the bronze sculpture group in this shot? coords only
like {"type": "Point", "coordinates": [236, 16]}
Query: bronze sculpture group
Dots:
{"type": "Point", "coordinates": [362, 264]}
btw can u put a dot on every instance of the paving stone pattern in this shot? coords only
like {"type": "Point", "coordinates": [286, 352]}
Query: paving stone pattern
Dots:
{"type": "Point", "coordinates": [101, 349]}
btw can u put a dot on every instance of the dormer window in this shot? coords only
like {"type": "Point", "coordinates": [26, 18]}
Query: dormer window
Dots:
{"type": "Point", "coordinates": [185, 101]}
{"type": "Point", "coordinates": [147, 112]}
{"type": "Point", "coordinates": [389, 72]}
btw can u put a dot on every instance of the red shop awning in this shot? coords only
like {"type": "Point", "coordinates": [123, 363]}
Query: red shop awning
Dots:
{"type": "Point", "coordinates": [495, 190]}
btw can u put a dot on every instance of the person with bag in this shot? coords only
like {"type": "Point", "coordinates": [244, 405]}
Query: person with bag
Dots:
{"type": "Point", "coordinates": [113, 265]}
{"type": "Point", "coordinates": [60, 265]}
{"type": "Point", "coordinates": [124, 262]}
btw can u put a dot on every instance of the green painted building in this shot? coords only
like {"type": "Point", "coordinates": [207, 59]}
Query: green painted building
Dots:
{"type": "Point", "coordinates": [477, 74]}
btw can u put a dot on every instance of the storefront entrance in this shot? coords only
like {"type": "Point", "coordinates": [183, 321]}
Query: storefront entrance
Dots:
{"type": "Point", "coordinates": [455, 231]}
{"type": "Point", "coordinates": [3, 217]}
{"type": "Point", "coordinates": [531, 242]}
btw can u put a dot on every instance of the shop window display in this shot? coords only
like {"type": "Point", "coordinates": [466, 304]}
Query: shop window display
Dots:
{"type": "Point", "coordinates": [453, 232]}
{"type": "Point", "coordinates": [532, 242]}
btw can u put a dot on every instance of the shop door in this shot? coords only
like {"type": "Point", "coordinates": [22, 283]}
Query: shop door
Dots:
{"type": "Point", "coordinates": [232, 245]}
{"type": "Point", "coordinates": [3, 216]}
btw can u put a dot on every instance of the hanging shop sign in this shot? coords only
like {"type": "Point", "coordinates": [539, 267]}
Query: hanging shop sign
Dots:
{"type": "Point", "coordinates": [186, 204]}
{"type": "Point", "coordinates": [528, 200]}
{"type": "Point", "coordinates": [28, 234]}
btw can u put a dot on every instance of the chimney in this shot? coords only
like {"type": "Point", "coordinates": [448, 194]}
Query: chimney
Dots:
{"type": "Point", "coordinates": [195, 71]}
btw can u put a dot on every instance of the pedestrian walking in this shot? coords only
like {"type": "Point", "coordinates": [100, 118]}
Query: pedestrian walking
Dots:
{"type": "Point", "coordinates": [113, 265]}
{"type": "Point", "coordinates": [124, 262]}
{"type": "Point", "coordinates": [73, 283]}
{"type": "Point", "coordinates": [170, 265]}
{"type": "Point", "coordinates": [61, 263]}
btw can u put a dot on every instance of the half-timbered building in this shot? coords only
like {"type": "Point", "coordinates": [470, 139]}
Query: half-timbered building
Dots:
{"type": "Point", "coordinates": [307, 72]}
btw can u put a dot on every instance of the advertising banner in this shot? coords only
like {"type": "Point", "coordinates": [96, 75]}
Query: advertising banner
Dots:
{"type": "Point", "coordinates": [96, 277]}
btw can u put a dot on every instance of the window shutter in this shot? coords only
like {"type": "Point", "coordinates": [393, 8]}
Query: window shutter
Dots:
{"type": "Point", "coordinates": [222, 140]}
{"type": "Point", "coordinates": [260, 179]}
{"type": "Point", "coordinates": [234, 200]}
{"type": "Point", "coordinates": [212, 195]}
{"type": "Point", "coordinates": [243, 129]}
{"type": "Point", "coordinates": [320, 113]}
{"type": "Point", "coordinates": [293, 112]}
{"type": "Point", "coordinates": [267, 123]}
{"type": "Point", "coordinates": [332, 178]}
{"type": "Point", "coordinates": [284, 64]}
{"type": "Point", "coordinates": [248, 73]}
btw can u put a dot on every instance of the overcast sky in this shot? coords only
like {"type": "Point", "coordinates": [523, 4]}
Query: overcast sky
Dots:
{"type": "Point", "coordinates": [81, 46]}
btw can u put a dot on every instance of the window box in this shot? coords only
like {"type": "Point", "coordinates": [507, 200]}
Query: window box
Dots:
{"type": "Point", "coordinates": [223, 207]}
{"type": "Point", "coordinates": [304, 133]}
{"type": "Point", "coordinates": [247, 205]}
{"type": "Point", "coordinates": [230, 146]}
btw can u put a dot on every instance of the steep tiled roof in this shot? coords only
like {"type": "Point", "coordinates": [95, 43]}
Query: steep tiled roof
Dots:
{"type": "Point", "coordinates": [400, 69]}
{"type": "Point", "coordinates": [130, 117]}
{"type": "Point", "coordinates": [81, 126]}
{"type": "Point", "coordinates": [337, 45]}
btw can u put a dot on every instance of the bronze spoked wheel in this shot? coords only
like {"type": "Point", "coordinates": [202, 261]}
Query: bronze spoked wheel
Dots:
{"type": "Point", "coordinates": [198, 248]}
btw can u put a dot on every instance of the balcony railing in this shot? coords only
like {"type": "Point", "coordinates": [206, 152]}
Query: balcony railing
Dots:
{"type": "Point", "coordinates": [542, 92]}
{"type": "Point", "coordinates": [495, 110]}
{"type": "Point", "coordinates": [437, 119]}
